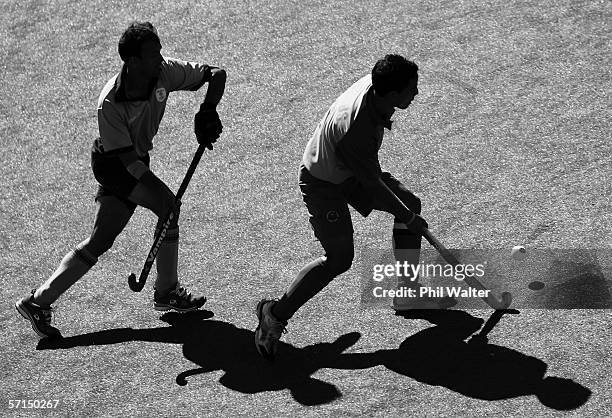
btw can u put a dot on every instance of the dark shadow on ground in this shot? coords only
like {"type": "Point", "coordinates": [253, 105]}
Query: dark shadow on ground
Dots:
{"type": "Point", "coordinates": [440, 356]}
{"type": "Point", "coordinates": [437, 356]}
{"type": "Point", "coordinates": [581, 285]}
{"type": "Point", "coordinates": [216, 345]}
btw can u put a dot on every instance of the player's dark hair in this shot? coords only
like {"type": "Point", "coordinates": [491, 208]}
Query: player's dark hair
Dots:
{"type": "Point", "coordinates": [392, 73]}
{"type": "Point", "coordinates": [134, 36]}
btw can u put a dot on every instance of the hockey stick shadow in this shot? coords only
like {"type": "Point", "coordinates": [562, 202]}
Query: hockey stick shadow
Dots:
{"type": "Point", "coordinates": [437, 356]}
{"type": "Point", "coordinates": [217, 345]}
{"type": "Point", "coordinates": [226, 347]}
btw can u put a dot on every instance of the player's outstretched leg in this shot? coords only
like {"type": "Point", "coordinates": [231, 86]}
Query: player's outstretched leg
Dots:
{"type": "Point", "coordinates": [36, 307]}
{"type": "Point", "coordinates": [111, 217]}
{"type": "Point", "coordinates": [312, 278]}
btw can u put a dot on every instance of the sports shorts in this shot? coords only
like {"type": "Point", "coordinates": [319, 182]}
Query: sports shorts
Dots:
{"type": "Point", "coordinates": [327, 203]}
{"type": "Point", "coordinates": [113, 178]}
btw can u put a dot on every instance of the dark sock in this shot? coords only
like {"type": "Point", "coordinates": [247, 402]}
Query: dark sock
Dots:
{"type": "Point", "coordinates": [310, 280]}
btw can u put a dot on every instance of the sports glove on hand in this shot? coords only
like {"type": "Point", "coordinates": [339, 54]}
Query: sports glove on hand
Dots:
{"type": "Point", "coordinates": [417, 224]}
{"type": "Point", "coordinates": [207, 126]}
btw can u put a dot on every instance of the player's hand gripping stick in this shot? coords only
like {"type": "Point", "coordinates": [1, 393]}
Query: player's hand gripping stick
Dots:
{"type": "Point", "coordinates": [138, 285]}
{"type": "Point", "coordinates": [490, 299]}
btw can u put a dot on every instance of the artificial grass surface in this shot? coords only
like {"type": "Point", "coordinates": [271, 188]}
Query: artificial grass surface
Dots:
{"type": "Point", "coordinates": [507, 143]}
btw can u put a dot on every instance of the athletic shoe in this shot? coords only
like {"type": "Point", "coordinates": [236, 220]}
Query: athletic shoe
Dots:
{"type": "Point", "coordinates": [178, 299]}
{"type": "Point", "coordinates": [269, 330]}
{"type": "Point", "coordinates": [39, 317]}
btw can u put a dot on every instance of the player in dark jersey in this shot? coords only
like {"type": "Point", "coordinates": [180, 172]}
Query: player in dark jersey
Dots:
{"type": "Point", "coordinates": [130, 109]}
{"type": "Point", "coordinates": [339, 167]}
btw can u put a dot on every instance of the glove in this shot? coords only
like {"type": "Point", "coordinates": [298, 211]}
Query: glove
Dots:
{"type": "Point", "coordinates": [417, 224]}
{"type": "Point", "coordinates": [207, 126]}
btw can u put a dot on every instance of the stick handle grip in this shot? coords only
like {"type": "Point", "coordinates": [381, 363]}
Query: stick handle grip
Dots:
{"type": "Point", "coordinates": [192, 167]}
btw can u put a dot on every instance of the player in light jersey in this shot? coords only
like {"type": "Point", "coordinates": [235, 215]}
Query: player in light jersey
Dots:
{"type": "Point", "coordinates": [130, 109]}
{"type": "Point", "coordinates": [340, 166]}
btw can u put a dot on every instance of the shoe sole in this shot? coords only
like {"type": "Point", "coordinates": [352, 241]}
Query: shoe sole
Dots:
{"type": "Point", "coordinates": [164, 308]}
{"type": "Point", "coordinates": [24, 312]}
{"type": "Point", "coordinates": [261, 349]}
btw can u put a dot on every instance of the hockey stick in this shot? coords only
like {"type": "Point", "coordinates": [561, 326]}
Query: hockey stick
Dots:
{"type": "Point", "coordinates": [492, 301]}
{"type": "Point", "coordinates": [135, 285]}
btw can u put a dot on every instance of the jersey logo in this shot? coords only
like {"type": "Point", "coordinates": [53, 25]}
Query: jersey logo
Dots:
{"type": "Point", "coordinates": [332, 216]}
{"type": "Point", "coordinates": [160, 94]}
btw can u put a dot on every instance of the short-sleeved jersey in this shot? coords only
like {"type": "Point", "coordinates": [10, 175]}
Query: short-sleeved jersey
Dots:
{"type": "Point", "coordinates": [131, 124]}
{"type": "Point", "coordinates": [348, 137]}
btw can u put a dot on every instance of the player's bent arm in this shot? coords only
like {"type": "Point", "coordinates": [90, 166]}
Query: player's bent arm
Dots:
{"type": "Point", "coordinates": [142, 173]}
{"type": "Point", "coordinates": [216, 88]}
{"type": "Point", "coordinates": [394, 203]}
{"type": "Point", "coordinates": [363, 162]}
{"type": "Point", "coordinates": [133, 164]}
{"type": "Point", "coordinates": [207, 124]}
{"type": "Point", "coordinates": [385, 195]}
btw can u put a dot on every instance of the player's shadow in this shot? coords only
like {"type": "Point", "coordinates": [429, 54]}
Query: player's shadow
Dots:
{"type": "Point", "coordinates": [440, 356]}
{"type": "Point", "coordinates": [217, 345]}
{"type": "Point", "coordinates": [437, 356]}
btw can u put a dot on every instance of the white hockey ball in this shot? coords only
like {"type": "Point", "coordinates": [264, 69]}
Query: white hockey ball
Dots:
{"type": "Point", "coordinates": [518, 252]}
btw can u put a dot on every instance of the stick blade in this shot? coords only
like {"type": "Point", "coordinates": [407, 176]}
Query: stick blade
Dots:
{"type": "Point", "coordinates": [134, 285]}
{"type": "Point", "coordinates": [506, 298]}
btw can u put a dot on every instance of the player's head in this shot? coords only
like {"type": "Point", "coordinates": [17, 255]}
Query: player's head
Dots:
{"type": "Point", "coordinates": [395, 78]}
{"type": "Point", "coordinates": [133, 38]}
{"type": "Point", "coordinates": [140, 46]}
